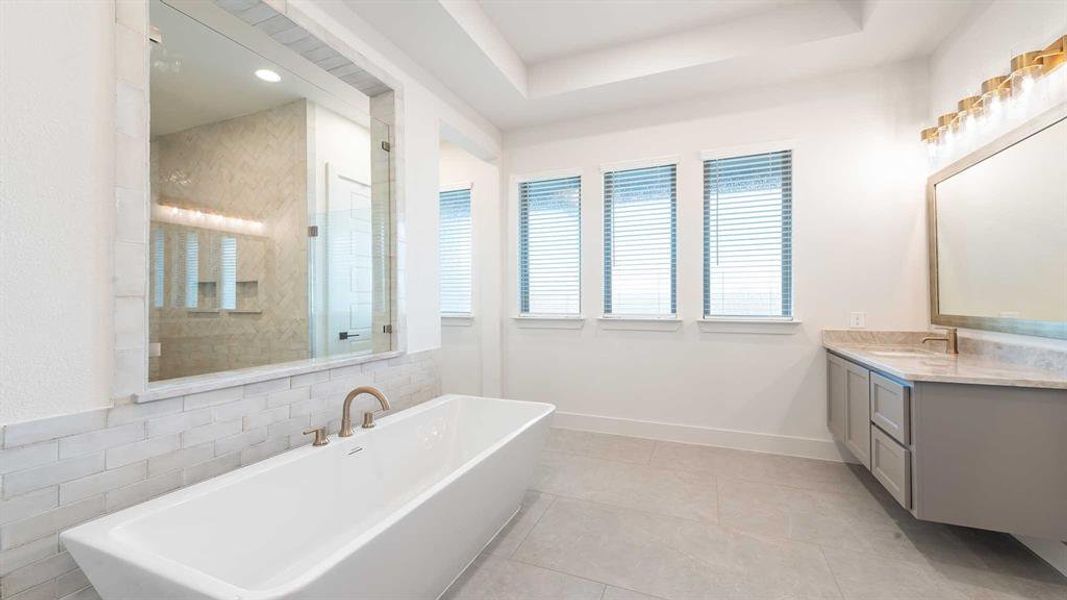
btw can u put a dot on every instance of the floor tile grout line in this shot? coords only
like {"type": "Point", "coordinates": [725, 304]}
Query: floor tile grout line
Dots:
{"type": "Point", "coordinates": [830, 569]}
{"type": "Point", "coordinates": [551, 503]}
{"type": "Point", "coordinates": [639, 510]}
{"type": "Point", "coordinates": [585, 578]}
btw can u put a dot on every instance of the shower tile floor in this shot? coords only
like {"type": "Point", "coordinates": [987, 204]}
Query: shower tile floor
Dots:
{"type": "Point", "coordinates": [619, 518]}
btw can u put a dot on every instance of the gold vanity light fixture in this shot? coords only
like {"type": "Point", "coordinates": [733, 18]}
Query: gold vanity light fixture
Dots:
{"type": "Point", "coordinates": [968, 111]}
{"type": "Point", "coordinates": [1054, 55]}
{"type": "Point", "coordinates": [1026, 69]}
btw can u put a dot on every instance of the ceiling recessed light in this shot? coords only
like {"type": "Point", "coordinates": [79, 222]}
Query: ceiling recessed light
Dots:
{"type": "Point", "coordinates": [268, 75]}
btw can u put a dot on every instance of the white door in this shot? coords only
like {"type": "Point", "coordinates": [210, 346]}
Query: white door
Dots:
{"type": "Point", "coordinates": [349, 271]}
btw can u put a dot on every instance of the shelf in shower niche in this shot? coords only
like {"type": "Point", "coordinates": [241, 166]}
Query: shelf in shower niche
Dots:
{"type": "Point", "coordinates": [204, 312]}
{"type": "Point", "coordinates": [245, 312]}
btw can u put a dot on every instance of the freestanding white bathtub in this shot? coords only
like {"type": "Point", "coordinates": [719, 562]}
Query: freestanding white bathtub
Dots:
{"type": "Point", "coordinates": [393, 512]}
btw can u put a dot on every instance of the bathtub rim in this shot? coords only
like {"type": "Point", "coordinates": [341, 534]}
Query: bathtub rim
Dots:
{"type": "Point", "coordinates": [100, 534]}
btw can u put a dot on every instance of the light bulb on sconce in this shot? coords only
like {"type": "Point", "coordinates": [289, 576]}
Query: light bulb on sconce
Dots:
{"type": "Point", "coordinates": [929, 138]}
{"type": "Point", "coordinates": [1025, 69]}
{"type": "Point", "coordinates": [993, 93]}
{"type": "Point", "coordinates": [970, 109]}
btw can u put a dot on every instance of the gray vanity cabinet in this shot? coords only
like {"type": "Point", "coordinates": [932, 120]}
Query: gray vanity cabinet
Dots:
{"type": "Point", "coordinates": [849, 407]}
{"type": "Point", "coordinates": [859, 402]}
{"type": "Point", "coordinates": [985, 456]}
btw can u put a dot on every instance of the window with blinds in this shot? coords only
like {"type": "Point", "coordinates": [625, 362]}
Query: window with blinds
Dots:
{"type": "Point", "coordinates": [192, 270]}
{"type": "Point", "coordinates": [455, 251]}
{"type": "Point", "coordinates": [550, 246]}
{"type": "Point", "coordinates": [748, 236]}
{"type": "Point", "coordinates": [640, 241]}
{"type": "Point", "coordinates": [228, 270]}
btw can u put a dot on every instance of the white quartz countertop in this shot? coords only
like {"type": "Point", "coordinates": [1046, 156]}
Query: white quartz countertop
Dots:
{"type": "Point", "coordinates": [915, 363]}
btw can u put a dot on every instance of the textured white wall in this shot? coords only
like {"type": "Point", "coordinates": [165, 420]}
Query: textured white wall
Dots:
{"type": "Point", "coordinates": [56, 174]}
{"type": "Point", "coordinates": [859, 246]}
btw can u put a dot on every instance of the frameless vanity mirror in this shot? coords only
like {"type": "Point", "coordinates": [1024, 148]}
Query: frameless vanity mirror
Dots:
{"type": "Point", "coordinates": [271, 204]}
{"type": "Point", "coordinates": [998, 234]}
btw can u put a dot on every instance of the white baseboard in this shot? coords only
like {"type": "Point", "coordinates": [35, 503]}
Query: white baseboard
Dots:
{"type": "Point", "coordinates": [706, 436]}
{"type": "Point", "coordinates": [1051, 551]}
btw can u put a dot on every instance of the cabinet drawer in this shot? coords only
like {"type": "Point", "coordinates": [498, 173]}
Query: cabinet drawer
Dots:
{"type": "Point", "coordinates": [891, 466]}
{"type": "Point", "coordinates": [891, 407]}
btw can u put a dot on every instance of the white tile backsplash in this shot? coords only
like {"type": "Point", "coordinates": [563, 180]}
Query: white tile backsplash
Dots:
{"type": "Point", "coordinates": [61, 471]}
{"type": "Point", "coordinates": [28, 432]}
{"type": "Point", "coordinates": [24, 457]}
{"type": "Point", "coordinates": [21, 532]}
{"type": "Point", "coordinates": [29, 504]}
{"type": "Point", "coordinates": [131, 453]}
{"type": "Point", "coordinates": [21, 482]}
{"type": "Point", "coordinates": [101, 439]}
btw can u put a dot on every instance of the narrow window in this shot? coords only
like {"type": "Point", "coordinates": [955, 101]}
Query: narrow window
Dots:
{"type": "Point", "coordinates": [640, 241]}
{"type": "Point", "coordinates": [192, 270]}
{"type": "Point", "coordinates": [229, 273]}
{"type": "Point", "coordinates": [748, 236]}
{"type": "Point", "coordinates": [158, 267]}
{"type": "Point", "coordinates": [455, 252]}
{"type": "Point", "coordinates": [550, 246]}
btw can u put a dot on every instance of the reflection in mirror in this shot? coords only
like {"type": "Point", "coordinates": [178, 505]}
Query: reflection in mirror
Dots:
{"type": "Point", "coordinates": [1002, 233]}
{"type": "Point", "coordinates": [271, 210]}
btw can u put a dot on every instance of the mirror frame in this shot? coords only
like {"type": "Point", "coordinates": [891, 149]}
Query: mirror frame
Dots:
{"type": "Point", "coordinates": [1048, 329]}
{"type": "Point", "coordinates": [130, 240]}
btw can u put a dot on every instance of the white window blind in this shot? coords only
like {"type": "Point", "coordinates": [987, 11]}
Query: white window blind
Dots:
{"type": "Point", "coordinates": [229, 273]}
{"type": "Point", "coordinates": [550, 246]}
{"type": "Point", "coordinates": [455, 251]}
{"type": "Point", "coordinates": [192, 270]}
{"type": "Point", "coordinates": [748, 236]}
{"type": "Point", "coordinates": [640, 241]}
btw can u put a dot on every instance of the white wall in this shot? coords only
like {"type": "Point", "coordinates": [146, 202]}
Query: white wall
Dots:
{"type": "Point", "coordinates": [859, 246]}
{"type": "Point", "coordinates": [983, 46]}
{"type": "Point", "coordinates": [470, 361]}
{"type": "Point", "coordinates": [56, 206]}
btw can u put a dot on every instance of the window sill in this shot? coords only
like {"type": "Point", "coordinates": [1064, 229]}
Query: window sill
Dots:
{"type": "Point", "coordinates": [549, 321]}
{"type": "Point", "coordinates": [638, 323]}
{"type": "Point", "coordinates": [457, 320]}
{"type": "Point", "coordinates": [756, 326]}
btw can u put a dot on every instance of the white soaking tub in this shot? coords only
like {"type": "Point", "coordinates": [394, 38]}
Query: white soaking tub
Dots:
{"type": "Point", "coordinates": [393, 512]}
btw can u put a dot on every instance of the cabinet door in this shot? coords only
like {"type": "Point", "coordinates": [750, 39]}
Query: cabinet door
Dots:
{"type": "Point", "coordinates": [858, 412]}
{"type": "Point", "coordinates": [836, 373]}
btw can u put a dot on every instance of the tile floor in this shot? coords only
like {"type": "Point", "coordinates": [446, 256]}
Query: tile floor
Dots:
{"type": "Point", "coordinates": [618, 518]}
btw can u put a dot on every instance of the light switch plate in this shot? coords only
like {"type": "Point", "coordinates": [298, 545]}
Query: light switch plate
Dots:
{"type": "Point", "coordinates": [857, 320]}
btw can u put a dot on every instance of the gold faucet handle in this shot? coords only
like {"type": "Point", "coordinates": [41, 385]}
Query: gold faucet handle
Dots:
{"type": "Point", "coordinates": [321, 439]}
{"type": "Point", "coordinates": [368, 419]}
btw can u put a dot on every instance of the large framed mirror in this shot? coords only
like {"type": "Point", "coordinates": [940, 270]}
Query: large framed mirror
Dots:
{"type": "Point", "coordinates": [998, 233]}
{"type": "Point", "coordinates": [272, 211]}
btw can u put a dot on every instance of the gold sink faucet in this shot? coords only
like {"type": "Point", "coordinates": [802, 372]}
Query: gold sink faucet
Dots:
{"type": "Point", "coordinates": [368, 417]}
{"type": "Point", "coordinates": [949, 337]}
